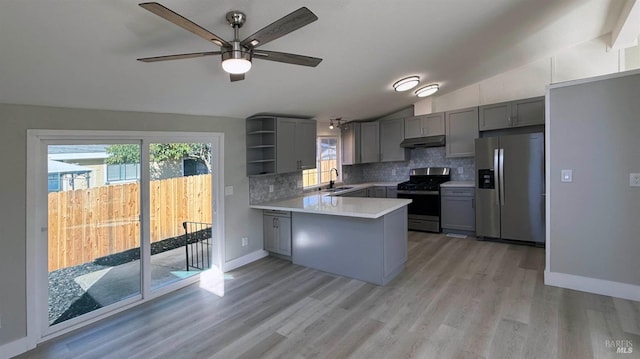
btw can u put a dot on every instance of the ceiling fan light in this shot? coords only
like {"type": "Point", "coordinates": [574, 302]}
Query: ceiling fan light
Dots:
{"type": "Point", "coordinates": [406, 83]}
{"type": "Point", "coordinates": [236, 66]}
{"type": "Point", "coordinates": [427, 90]}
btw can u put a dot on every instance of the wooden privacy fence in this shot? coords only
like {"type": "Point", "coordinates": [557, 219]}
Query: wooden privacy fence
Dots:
{"type": "Point", "coordinates": [92, 223]}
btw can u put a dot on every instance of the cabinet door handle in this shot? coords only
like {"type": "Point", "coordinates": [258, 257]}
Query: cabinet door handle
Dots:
{"type": "Point", "coordinates": [273, 224]}
{"type": "Point", "coordinates": [473, 203]}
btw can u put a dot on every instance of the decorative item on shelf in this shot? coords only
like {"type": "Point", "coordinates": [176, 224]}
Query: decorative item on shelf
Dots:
{"type": "Point", "coordinates": [406, 83]}
{"type": "Point", "coordinates": [427, 90]}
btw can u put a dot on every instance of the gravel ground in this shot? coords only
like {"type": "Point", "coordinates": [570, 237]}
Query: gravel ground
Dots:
{"type": "Point", "coordinates": [68, 300]}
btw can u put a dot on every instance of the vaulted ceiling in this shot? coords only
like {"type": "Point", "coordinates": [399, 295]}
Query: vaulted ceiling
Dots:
{"type": "Point", "coordinates": [82, 53]}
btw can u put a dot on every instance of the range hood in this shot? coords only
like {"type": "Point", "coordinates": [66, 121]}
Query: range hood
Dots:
{"type": "Point", "coordinates": [421, 142]}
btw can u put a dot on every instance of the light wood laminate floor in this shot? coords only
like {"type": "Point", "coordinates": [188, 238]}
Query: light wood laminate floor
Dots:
{"type": "Point", "coordinates": [457, 298]}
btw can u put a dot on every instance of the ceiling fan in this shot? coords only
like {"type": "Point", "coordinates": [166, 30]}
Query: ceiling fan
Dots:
{"type": "Point", "coordinates": [237, 55]}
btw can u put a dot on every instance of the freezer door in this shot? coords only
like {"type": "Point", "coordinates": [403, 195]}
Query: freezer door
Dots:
{"type": "Point", "coordinates": [487, 200]}
{"type": "Point", "coordinates": [522, 214]}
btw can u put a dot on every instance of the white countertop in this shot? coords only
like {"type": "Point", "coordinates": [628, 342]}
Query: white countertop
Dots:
{"type": "Point", "coordinates": [458, 184]}
{"type": "Point", "coordinates": [324, 203]}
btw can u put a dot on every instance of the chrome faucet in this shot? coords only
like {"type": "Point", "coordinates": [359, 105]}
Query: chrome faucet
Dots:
{"type": "Point", "coordinates": [332, 182]}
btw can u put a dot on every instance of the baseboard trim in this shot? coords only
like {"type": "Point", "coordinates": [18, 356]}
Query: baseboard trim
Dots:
{"type": "Point", "coordinates": [244, 260]}
{"type": "Point", "coordinates": [592, 285]}
{"type": "Point", "coordinates": [16, 347]}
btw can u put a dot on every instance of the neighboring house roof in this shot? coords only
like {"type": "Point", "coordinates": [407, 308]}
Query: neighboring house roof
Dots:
{"type": "Point", "coordinates": [61, 167]}
{"type": "Point", "coordinates": [77, 152]}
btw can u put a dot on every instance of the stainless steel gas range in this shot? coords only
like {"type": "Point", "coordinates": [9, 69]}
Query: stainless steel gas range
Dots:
{"type": "Point", "coordinates": [423, 188]}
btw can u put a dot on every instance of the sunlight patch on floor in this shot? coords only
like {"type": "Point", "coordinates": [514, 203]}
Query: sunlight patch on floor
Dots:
{"type": "Point", "coordinates": [212, 280]}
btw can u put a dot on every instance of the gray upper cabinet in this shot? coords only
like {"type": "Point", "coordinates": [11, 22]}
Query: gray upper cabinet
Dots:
{"type": "Point", "coordinates": [295, 144]}
{"type": "Point", "coordinates": [424, 125]}
{"type": "Point", "coordinates": [306, 143]}
{"type": "Point", "coordinates": [370, 142]}
{"type": "Point", "coordinates": [391, 135]}
{"type": "Point", "coordinates": [350, 143]}
{"type": "Point", "coordinates": [360, 143]}
{"type": "Point", "coordinates": [461, 132]}
{"type": "Point", "coordinates": [495, 116]}
{"type": "Point", "coordinates": [526, 112]}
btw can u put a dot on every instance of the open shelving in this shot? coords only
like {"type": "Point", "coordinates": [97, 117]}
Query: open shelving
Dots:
{"type": "Point", "coordinates": [261, 145]}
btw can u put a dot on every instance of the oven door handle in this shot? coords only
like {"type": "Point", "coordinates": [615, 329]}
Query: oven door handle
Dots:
{"type": "Point", "coordinates": [428, 193]}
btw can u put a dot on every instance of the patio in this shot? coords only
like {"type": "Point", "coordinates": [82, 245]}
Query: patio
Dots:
{"type": "Point", "coordinates": [80, 289]}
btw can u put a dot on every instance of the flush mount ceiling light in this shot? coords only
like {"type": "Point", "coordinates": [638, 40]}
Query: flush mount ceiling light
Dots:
{"type": "Point", "coordinates": [406, 83]}
{"type": "Point", "coordinates": [427, 90]}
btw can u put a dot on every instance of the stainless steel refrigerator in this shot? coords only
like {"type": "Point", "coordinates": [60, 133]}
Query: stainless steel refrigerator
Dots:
{"type": "Point", "coordinates": [510, 198]}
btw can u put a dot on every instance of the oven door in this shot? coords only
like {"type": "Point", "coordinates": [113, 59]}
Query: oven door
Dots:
{"type": "Point", "coordinates": [424, 203]}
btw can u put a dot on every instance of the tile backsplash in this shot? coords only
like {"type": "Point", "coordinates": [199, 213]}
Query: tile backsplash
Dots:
{"type": "Point", "coordinates": [286, 185]}
{"type": "Point", "coordinates": [419, 157]}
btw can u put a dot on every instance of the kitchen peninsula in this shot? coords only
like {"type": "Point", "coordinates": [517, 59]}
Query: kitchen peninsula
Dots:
{"type": "Point", "coordinates": [361, 238]}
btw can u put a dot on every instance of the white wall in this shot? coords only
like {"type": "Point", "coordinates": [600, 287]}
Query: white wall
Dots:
{"type": "Point", "coordinates": [585, 60]}
{"type": "Point", "coordinates": [240, 221]}
{"type": "Point", "coordinates": [592, 227]}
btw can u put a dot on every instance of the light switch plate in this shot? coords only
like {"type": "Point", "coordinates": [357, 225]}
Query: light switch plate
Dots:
{"type": "Point", "coordinates": [228, 190]}
{"type": "Point", "coordinates": [566, 175]}
{"type": "Point", "coordinates": [270, 188]}
{"type": "Point", "coordinates": [634, 179]}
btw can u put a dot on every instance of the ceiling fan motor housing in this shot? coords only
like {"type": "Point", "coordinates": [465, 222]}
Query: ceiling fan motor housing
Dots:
{"type": "Point", "coordinates": [236, 51]}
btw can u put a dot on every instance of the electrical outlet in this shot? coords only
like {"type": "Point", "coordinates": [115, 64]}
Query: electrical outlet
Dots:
{"type": "Point", "coordinates": [299, 183]}
{"type": "Point", "coordinates": [634, 179]}
{"type": "Point", "coordinates": [460, 170]}
{"type": "Point", "coordinates": [566, 175]}
{"type": "Point", "coordinates": [393, 172]}
{"type": "Point", "coordinates": [245, 241]}
{"type": "Point", "coordinates": [270, 188]}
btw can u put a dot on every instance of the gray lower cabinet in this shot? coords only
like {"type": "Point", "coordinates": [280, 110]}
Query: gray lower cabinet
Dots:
{"type": "Point", "coordinates": [277, 231]}
{"type": "Point", "coordinates": [392, 192]}
{"type": "Point", "coordinates": [461, 128]}
{"type": "Point", "coordinates": [358, 193]}
{"type": "Point", "coordinates": [519, 113]}
{"type": "Point", "coordinates": [377, 192]}
{"type": "Point", "coordinates": [458, 210]}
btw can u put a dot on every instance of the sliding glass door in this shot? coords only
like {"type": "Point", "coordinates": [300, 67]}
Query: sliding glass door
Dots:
{"type": "Point", "coordinates": [127, 218]}
{"type": "Point", "coordinates": [180, 209]}
{"type": "Point", "coordinates": [93, 230]}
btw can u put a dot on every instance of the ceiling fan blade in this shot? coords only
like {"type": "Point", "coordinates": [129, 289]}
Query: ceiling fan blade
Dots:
{"type": "Point", "coordinates": [178, 56]}
{"type": "Point", "coordinates": [236, 77]}
{"type": "Point", "coordinates": [285, 25]}
{"type": "Point", "coordinates": [183, 22]}
{"type": "Point", "coordinates": [287, 58]}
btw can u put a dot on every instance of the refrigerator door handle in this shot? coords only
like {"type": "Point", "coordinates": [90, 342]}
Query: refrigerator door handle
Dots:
{"type": "Point", "coordinates": [501, 176]}
{"type": "Point", "coordinates": [496, 165]}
